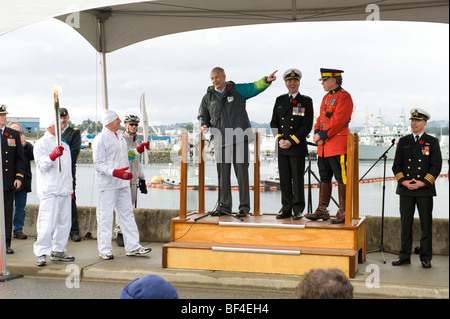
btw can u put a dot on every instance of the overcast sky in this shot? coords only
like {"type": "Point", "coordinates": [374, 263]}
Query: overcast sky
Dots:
{"type": "Point", "coordinates": [389, 67]}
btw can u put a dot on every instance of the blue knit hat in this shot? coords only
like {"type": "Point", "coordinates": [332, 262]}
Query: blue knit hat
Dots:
{"type": "Point", "coordinates": [149, 287]}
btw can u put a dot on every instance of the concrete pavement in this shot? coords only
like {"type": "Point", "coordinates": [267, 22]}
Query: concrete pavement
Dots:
{"type": "Point", "coordinates": [373, 280]}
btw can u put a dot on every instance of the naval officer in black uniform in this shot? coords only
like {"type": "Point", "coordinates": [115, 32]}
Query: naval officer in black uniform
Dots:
{"type": "Point", "coordinates": [417, 164]}
{"type": "Point", "coordinates": [72, 136]}
{"type": "Point", "coordinates": [13, 161]}
{"type": "Point", "coordinates": [292, 121]}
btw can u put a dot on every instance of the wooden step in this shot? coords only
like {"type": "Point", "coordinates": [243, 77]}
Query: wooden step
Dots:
{"type": "Point", "coordinates": [257, 258]}
{"type": "Point", "coordinates": [266, 229]}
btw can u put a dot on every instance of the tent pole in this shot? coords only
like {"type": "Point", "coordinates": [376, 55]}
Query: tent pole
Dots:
{"type": "Point", "coordinates": [103, 55]}
{"type": "Point", "coordinates": [102, 16]}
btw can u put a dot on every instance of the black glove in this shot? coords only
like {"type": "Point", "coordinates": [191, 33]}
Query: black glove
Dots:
{"type": "Point", "coordinates": [142, 186]}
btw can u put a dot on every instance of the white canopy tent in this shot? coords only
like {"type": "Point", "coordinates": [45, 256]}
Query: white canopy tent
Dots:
{"type": "Point", "coordinates": [109, 25]}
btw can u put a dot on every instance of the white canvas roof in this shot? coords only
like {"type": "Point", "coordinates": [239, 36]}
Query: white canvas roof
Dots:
{"type": "Point", "coordinates": [129, 22]}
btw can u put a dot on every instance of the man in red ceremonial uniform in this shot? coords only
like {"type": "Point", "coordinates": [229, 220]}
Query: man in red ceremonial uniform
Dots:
{"type": "Point", "coordinates": [330, 135]}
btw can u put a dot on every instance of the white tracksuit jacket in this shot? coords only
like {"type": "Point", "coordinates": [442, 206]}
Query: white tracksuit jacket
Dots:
{"type": "Point", "coordinates": [109, 153]}
{"type": "Point", "coordinates": [49, 181]}
{"type": "Point", "coordinates": [54, 189]}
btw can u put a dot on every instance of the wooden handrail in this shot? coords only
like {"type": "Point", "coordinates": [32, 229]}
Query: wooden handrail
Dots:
{"type": "Point", "coordinates": [352, 186]}
{"type": "Point", "coordinates": [256, 178]}
{"type": "Point", "coordinates": [183, 175]}
{"type": "Point", "coordinates": [201, 176]}
{"type": "Point", "coordinates": [356, 177]}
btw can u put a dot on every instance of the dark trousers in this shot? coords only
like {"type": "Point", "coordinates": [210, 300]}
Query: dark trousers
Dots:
{"type": "Point", "coordinates": [291, 170]}
{"type": "Point", "coordinates": [425, 207]}
{"type": "Point", "coordinates": [333, 165]}
{"type": "Point", "coordinates": [8, 198]}
{"type": "Point", "coordinates": [236, 154]}
{"type": "Point", "coordinates": [74, 230]}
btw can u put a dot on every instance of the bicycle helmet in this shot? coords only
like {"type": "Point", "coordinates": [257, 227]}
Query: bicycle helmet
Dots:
{"type": "Point", "coordinates": [131, 118]}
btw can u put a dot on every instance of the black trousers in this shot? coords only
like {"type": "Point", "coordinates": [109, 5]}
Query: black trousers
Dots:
{"type": "Point", "coordinates": [333, 165]}
{"type": "Point", "coordinates": [407, 208]}
{"type": "Point", "coordinates": [8, 198]}
{"type": "Point", "coordinates": [291, 170]}
{"type": "Point", "coordinates": [236, 154]}
{"type": "Point", "coordinates": [74, 230]}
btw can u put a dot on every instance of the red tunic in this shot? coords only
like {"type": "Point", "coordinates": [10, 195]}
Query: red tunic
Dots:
{"type": "Point", "coordinates": [332, 123]}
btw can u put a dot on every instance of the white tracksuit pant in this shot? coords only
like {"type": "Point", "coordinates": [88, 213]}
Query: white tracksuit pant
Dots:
{"type": "Point", "coordinates": [118, 199]}
{"type": "Point", "coordinates": [53, 224]}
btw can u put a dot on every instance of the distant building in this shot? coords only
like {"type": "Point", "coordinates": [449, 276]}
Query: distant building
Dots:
{"type": "Point", "coordinates": [28, 124]}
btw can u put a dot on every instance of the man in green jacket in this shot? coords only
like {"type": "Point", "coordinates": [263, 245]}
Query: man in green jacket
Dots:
{"type": "Point", "coordinates": [223, 111]}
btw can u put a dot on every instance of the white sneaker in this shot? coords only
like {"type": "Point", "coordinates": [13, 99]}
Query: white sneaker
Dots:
{"type": "Point", "coordinates": [61, 256]}
{"type": "Point", "coordinates": [139, 251]}
{"type": "Point", "coordinates": [41, 260]}
{"type": "Point", "coordinates": [107, 256]}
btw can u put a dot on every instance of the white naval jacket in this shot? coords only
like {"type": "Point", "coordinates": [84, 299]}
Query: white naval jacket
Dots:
{"type": "Point", "coordinates": [109, 152]}
{"type": "Point", "coordinates": [49, 180]}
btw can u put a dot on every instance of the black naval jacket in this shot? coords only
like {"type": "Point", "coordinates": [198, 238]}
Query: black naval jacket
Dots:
{"type": "Point", "coordinates": [292, 121]}
{"type": "Point", "coordinates": [29, 156]}
{"type": "Point", "coordinates": [421, 161]}
{"type": "Point", "coordinates": [13, 158]}
{"type": "Point", "coordinates": [72, 136]}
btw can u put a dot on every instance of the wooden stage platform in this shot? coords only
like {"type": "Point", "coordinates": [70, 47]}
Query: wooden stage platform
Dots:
{"type": "Point", "coordinates": [264, 244]}
{"type": "Point", "coordinates": [261, 243]}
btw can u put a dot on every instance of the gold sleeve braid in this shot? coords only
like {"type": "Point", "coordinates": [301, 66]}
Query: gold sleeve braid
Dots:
{"type": "Point", "coordinates": [399, 176]}
{"type": "Point", "coordinates": [430, 178]}
{"type": "Point", "coordinates": [296, 140]}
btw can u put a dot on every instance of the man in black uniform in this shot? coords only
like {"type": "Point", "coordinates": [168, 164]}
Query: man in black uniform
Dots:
{"type": "Point", "coordinates": [417, 164]}
{"type": "Point", "coordinates": [73, 137]}
{"type": "Point", "coordinates": [13, 162]}
{"type": "Point", "coordinates": [291, 123]}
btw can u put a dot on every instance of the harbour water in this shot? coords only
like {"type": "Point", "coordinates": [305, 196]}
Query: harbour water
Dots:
{"type": "Point", "coordinates": [370, 201]}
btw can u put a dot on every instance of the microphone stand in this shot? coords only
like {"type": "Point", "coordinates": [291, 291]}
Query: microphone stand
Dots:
{"type": "Point", "coordinates": [309, 185]}
{"type": "Point", "coordinates": [311, 172]}
{"type": "Point", "coordinates": [381, 246]}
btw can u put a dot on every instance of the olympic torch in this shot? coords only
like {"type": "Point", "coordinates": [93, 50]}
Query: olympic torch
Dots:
{"type": "Point", "coordinates": [145, 126]}
{"type": "Point", "coordinates": [57, 121]}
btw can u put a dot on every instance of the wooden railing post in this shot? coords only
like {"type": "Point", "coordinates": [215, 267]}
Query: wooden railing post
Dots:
{"type": "Point", "coordinates": [356, 178]}
{"type": "Point", "coordinates": [201, 176]}
{"type": "Point", "coordinates": [183, 174]}
{"type": "Point", "coordinates": [349, 184]}
{"type": "Point", "coordinates": [352, 186]}
{"type": "Point", "coordinates": [256, 177]}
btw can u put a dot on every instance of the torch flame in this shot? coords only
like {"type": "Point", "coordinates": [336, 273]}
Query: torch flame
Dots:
{"type": "Point", "coordinates": [56, 89]}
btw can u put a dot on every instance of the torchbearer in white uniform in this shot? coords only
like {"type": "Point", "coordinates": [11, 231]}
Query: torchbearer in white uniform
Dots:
{"type": "Point", "coordinates": [111, 162]}
{"type": "Point", "coordinates": [54, 189]}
